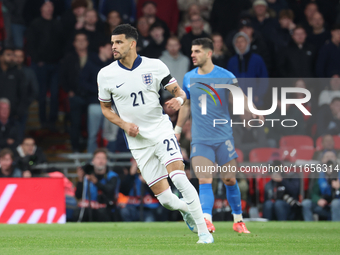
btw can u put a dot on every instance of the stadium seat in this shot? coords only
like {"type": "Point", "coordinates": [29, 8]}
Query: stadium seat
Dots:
{"type": "Point", "coordinates": [296, 141]}
{"type": "Point", "coordinates": [240, 155]}
{"type": "Point", "coordinates": [292, 153]}
{"type": "Point", "coordinates": [262, 154]}
{"type": "Point", "coordinates": [336, 143]}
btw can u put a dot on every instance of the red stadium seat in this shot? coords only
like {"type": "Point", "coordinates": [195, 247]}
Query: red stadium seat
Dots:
{"type": "Point", "coordinates": [296, 141]}
{"type": "Point", "coordinates": [336, 143]}
{"type": "Point", "coordinates": [262, 154]}
{"type": "Point", "coordinates": [240, 155]}
{"type": "Point", "coordinates": [292, 154]}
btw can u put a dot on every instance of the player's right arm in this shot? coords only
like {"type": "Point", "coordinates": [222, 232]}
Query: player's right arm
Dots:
{"type": "Point", "coordinates": [130, 128]}
{"type": "Point", "coordinates": [104, 96]}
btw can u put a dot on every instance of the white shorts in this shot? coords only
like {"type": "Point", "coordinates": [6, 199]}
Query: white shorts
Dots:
{"type": "Point", "coordinates": [152, 160]}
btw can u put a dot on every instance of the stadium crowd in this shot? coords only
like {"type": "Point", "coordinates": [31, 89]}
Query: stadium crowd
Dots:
{"type": "Point", "coordinates": [51, 52]}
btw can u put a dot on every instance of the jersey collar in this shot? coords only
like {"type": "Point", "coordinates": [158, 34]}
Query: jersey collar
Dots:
{"type": "Point", "coordinates": [137, 62]}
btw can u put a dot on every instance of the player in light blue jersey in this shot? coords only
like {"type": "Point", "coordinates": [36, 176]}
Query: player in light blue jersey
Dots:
{"type": "Point", "coordinates": [211, 144]}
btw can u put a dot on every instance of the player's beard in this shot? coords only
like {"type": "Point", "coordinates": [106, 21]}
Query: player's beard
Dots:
{"type": "Point", "coordinates": [120, 55]}
{"type": "Point", "coordinates": [201, 63]}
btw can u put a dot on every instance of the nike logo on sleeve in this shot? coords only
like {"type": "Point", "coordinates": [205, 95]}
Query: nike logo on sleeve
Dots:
{"type": "Point", "coordinates": [117, 86]}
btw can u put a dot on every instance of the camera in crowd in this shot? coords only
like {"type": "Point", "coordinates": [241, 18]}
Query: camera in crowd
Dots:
{"type": "Point", "coordinates": [88, 169]}
{"type": "Point", "coordinates": [281, 194]}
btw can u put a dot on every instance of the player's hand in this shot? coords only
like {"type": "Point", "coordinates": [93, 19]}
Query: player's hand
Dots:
{"type": "Point", "coordinates": [178, 136]}
{"type": "Point", "coordinates": [322, 202]}
{"type": "Point", "coordinates": [173, 104]}
{"type": "Point", "coordinates": [131, 129]}
{"type": "Point", "coordinates": [92, 178]}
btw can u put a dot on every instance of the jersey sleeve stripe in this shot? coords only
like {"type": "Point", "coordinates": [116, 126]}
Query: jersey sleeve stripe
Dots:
{"type": "Point", "coordinates": [104, 100]}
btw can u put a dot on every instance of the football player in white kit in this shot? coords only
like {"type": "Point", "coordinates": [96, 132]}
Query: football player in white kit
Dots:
{"type": "Point", "coordinates": [134, 82]}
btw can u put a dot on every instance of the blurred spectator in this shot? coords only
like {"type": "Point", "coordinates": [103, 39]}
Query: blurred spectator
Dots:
{"type": "Point", "coordinates": [221, 53]}
{"type": "Point", "coordinates": [177, 63]}
{"type": "Point", "coordinates": [166, 10]}
{"type": "Point", "coordinates": [327, 95]}
{"type": "Point", "coordinates": [6, 166]}
{"type": "Point", "coordinates": [157, 43]}
{"type": "Point", "coordinates": [196, 32]}
{"type": "Point", "coordinates": [310, 9]}
{"type": "Point", "coordinates": [88, 79]}
{"type": "Point", "coordinates": [112, 21]}
{"type": "Point", "coordinates": [27, 154]}
{"type": "Point", "coordinates": [149, 11]}
{"type": "Point", "coordinates": [9, 132]}
{"type": "Point", "coordinates": [18, 25]}
{"type": "Point", "coordinates": [70, 70]}
{"type": "Point", "coordinates": [132, 190]}
{"type": "Point", "coordinates": [264, 23]}
{"type": "Point", "coordinates": [257, 43]}
{"type": "Point", "coordinates": [73, 19]}
{"type": "Point", "coordinates": [94, 30]}
{"type": "Point", "coordinates": [32, 9]}
{"type": "Point", "coordinates": [287, 26]}
{"type": "Point", "coordinates": [327, 145]}
{"type": "Point", "coordinates": [281, 196]}
{"type": "Point", "coordinates": [2, 27]}
{"type": "Point", "coordinates": [31, 83]}
{"type": "Point", "coordinates": [325, 194]}
{"type": "Point", "coordinates": [328, 62]}
{"type": "Point", "coordinates": [225, 15]}
{"type": "Point", "coordinates": [298, 59]}
{"type": "Point", "coordinates": [125, 8]}
{"type": "Point", "coordinates": [12, 85]}
{"type": "Point", "coordinates": [45, 45]}
{"type": "Point", "coordinates": [319, 35]}
{"type": "Point", "coordinates": [246, 64]}
{"type": "Point", "coordinates": [185, 25]}
{"type": "Point", "coordinates": [248, 138]}
{"type": "Point", "coordinates": [101, 186]}
{"type": "Point", "coordinates": [144, 38]}
{"type": "Point", "coordinates": [277, 5]}
{"type": "Point", "coordinates": [205, 6]}
{"type": "Point", "coordinates": [328, 118]}
{"type": "Point", "coordinates": [277, 131]}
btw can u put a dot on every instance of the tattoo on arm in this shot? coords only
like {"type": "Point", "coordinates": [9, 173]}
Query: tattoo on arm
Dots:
{"type": "Point", "coordinates": [107, 104]}
{"type": "Point", "coordinates": [174, 90]}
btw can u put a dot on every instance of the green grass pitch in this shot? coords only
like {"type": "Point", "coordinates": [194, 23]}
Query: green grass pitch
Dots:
{"type": "Point", "coordinates": [169, 238]}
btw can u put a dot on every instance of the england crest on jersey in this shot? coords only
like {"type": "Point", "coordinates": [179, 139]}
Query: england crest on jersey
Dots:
{"type": "Point", "coordinates": [147, 78]}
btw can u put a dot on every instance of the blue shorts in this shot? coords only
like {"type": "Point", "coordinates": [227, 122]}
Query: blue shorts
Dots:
{"type": "Point", "coordinates": [217, 152]}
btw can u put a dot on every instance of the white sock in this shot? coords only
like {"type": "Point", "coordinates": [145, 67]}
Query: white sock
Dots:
{"type": "Point", "coordinates": [237, 218]}
{"type": "Point", "coordinates": [171, 202]}
{"type": "Point", "coordinates": [191, 198]}
{"type": "Point", "coordinates": [207, 216]}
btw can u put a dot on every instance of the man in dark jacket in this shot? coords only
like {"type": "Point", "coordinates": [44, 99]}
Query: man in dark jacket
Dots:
{"type": "Point", "coordinates": [70, 70]}
{"type": "Point", "coordinates": [102, 191]}
{"type": "Point", "coordinates": [9, 132]}
{"type": "Point", "coordinates": [328, 118]}
{"type": "Point", "coordinates": [45, 45]}
{"type": "Point", "coordinates": [281, 196]}
{"type": "Point", "coordinates": [298, 59]}
{"type": "Point", "coordinates": [12, 85]}
{"type": "Point", "coordinates": [246, 64]}
{"type": "Point", "coordinates": [27, 154]}
{"type": "Point", "coordinates": [328, 62]}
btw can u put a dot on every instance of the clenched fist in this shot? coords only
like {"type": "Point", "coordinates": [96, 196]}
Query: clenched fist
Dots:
{"type": "Point", "coordinates": [131, 129]}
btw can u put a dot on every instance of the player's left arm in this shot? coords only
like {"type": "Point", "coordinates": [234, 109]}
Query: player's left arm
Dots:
{"type": "Point", "coordinates": [179, 96]}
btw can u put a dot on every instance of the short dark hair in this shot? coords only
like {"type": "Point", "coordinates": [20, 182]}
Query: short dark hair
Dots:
{"type": "Point", "coordinates": [127, 30]}
{"type": "Point", "coordinates": [335, 99]}
{"type": "Point", "coordinates": [6, 151]}
{"type": "Point", "coordinates": [205, 42]}
{"type": "Point", "coordinates": [149, 2]}
{"type": "Point", "coordinates": [335, 27]}
{"type": "Point", "coordinates": [100, 150]}
{"type": "Point", "coordinates": [80, 33]}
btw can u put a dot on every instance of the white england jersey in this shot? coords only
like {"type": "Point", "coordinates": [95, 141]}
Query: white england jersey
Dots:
{"type": "Point", "coordinates": [135, 94]}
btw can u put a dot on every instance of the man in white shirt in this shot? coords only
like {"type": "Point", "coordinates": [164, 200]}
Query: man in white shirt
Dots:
{"type": "Point", "coordinates": [133, 82]}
